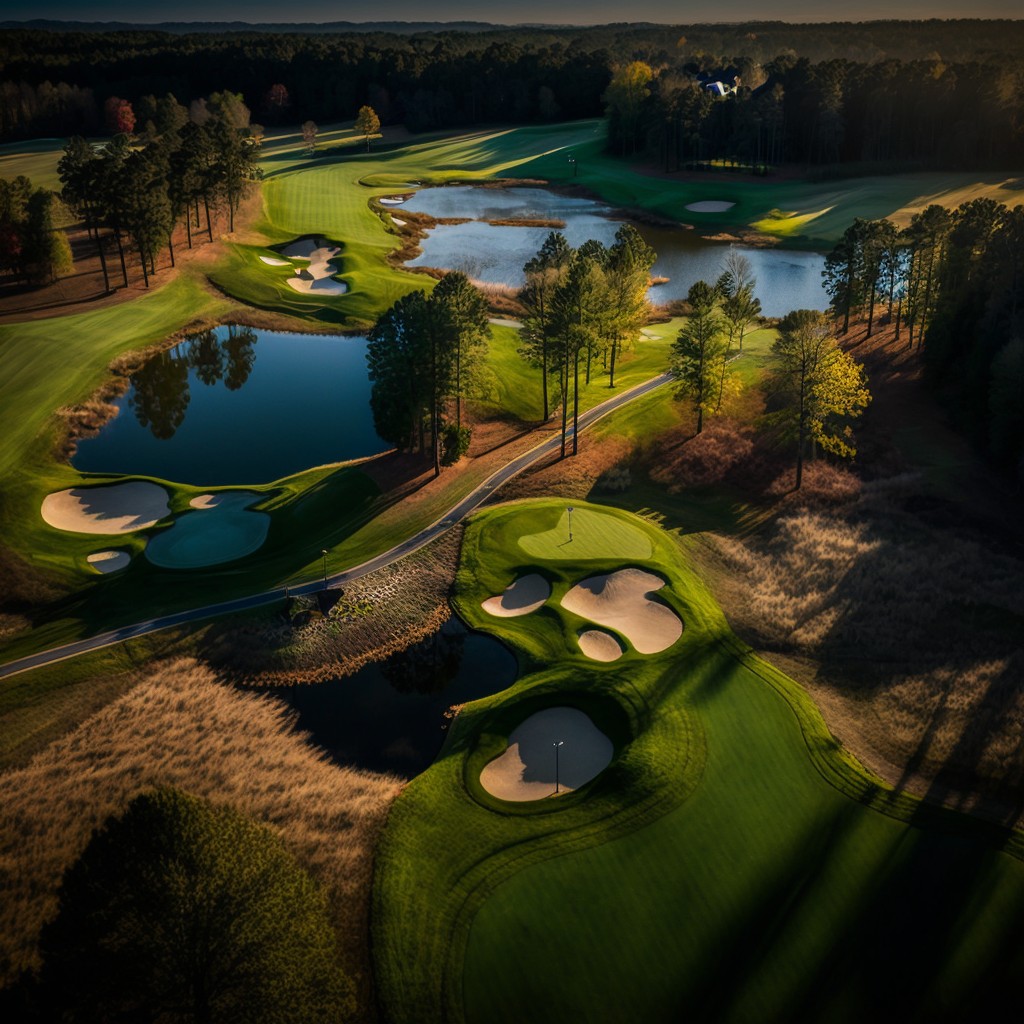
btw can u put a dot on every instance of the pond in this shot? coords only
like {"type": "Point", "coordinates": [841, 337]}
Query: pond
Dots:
{"type": "Point", "coordinates": [390, 716]}
{"type": "Point", "coordinates": [786, 278]}
{"type": "Point", "coordinates": [240, 406]}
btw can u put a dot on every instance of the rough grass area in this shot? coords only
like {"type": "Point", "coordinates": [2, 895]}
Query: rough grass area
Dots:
{"type": "Point", "coordinates": [734, 863]}
{"type": "Point", "coordinates": [916, 618]}
{"type": "Point", "coordinates": [181, 727]}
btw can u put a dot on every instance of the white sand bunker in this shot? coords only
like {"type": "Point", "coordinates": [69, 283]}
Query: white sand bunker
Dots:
{"type": "Point", "coordinates": [399, 223]}
{"type": "Point", "coordinates": [620, 601]}
{"type": "Point", "coordinates": [119, 508]}
{"type": "Point", "coordinates": [520, 597]}
{"type": "Point", "coordinates": [213, 500]}
{"type": "Point", "coordinates": [318, 278]}
{"type": "Point", "coordinates": [393, 200]}
{"type": "Point", "coordinates": [270, 261]}
{"type": "Point", "coordinates": [710, 206]}
{"type": "Point", "coordinates": [109, 561]}
{"type": "Point", "coordinates": [303, 249]}
{"type": "Point", "coordinates": [599, 645]}
{"type": "Point", "coordinates": [526, 770]}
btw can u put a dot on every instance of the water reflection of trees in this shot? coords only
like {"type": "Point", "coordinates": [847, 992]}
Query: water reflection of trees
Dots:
{"type": "Point", "coordinates": [428, 666]}
{"type": "Point", "coordinates": [238, 350]}
{"type": "Point", "coordinates": [205, 356]}
{"type": "Point", "coordinates": [160, 394]}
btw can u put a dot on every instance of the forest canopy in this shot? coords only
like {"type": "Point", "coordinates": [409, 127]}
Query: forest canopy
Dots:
{"type": "Point", "coordinates": [934, 91]}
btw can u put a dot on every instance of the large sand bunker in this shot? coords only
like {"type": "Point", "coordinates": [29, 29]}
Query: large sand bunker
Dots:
{"type": "Point", "coordinates": [393, 200]}
{"type": "Point", "coordinates": [599, 645]}
{"type": "Point", "coordinates": [117, 508]}
{"type": "Point", "coordinates": [520, 597]}
{"type": "Point", "coordinates": [318, 278]}
{"type": "Point", "coordinates": [526, 770]}
{"type": "Point", "coordinates": [620, 601]}
{"type": "Point", "coordinates": [710, 206]}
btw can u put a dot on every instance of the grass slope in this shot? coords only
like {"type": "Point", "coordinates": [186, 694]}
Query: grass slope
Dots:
{"type": "Point", "coordinates": [732, 864]}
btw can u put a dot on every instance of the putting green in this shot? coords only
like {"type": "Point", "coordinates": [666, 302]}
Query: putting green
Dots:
{"type": "Point", "coordinates": [594, 535]}
{"type": "Point", "coordinates": [211, 535]}
{"type": "Point", "coordinates": [731, 864]}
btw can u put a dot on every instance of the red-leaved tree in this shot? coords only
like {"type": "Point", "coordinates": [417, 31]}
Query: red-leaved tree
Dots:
{"type": "Point", "coordinates": [119, 116]}
{"type": "Point", "coordinates": [277, 101]}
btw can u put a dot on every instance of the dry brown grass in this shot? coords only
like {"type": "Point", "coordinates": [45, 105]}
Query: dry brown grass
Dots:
{"type": "Point", "coordinates": [184, 728]}
{"type": "Point", "coordinates": [572, 477]}
{"type": "Point", "coordinates": [724, 449]}
{"type": "Point", "coordinates": [918, 621]}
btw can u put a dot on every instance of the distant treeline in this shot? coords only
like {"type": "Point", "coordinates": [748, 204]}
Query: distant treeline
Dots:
{"type": "Point", "coordinates": [831, 76]}
{"type": "Point", "coordinates": [894, 115]}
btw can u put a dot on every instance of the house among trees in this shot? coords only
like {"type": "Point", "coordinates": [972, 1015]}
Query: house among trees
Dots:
{"type": "Point", "coordinates": [719, 83]}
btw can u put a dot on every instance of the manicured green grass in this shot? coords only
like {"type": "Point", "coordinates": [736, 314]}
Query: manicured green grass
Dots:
{"type": "Point", "coordinates": [800, 213]}
{"type": "Point", "coordinates": [595, 535]}
{"type": "Point", "coordinates": [506, 383]}
{"type": "Point", "coordinates": [37, 159]}
{"type": "Point", "coordinates": [733, 863]}
{"type": "Point", "coordinates": [49, 363]}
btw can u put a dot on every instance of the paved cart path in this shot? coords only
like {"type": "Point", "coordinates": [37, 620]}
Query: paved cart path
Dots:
{"type": "Point", "coordinates": [455, 514]}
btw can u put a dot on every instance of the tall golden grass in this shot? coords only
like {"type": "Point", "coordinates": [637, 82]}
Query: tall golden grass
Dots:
{"type": "Point", "coordinates": [917, 623]}
{"type": "Point", "coordinates": [182, 727]}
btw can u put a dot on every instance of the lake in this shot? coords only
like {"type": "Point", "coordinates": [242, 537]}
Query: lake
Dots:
{"type": "Point", "coordinates": [240, 406]}
{"type": "Point", "coordinates": [786, 278]}
{"type": "Point", "coordinates": [389, 716]}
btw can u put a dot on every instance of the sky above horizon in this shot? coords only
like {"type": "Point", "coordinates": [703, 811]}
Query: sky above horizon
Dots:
{"type": "Point", "coordinates": [507, 12]}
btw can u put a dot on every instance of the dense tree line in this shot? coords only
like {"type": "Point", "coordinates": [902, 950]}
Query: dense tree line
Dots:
{"type": "Point", "coordinates": [422, 355]}
{"type": "Point", "coordinates": [60, 82]}
{"type": "Point", "coordinates": [135, 190]}
{"type": "Point", "coordinates": [952, 284]}
{"type": "Point", "coordinates": [813, 390]}
{"type": "Point", "coordinates": [580, 306]}
{"type": "Point", "coordinates": [30, 245]}
{"type": "Point", "coordinates": [720, 315]}
{"type": "Point", "coordinates": [924, 113]}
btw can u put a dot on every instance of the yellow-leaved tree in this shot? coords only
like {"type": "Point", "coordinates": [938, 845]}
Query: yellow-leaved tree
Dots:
{"type": "Point", "coordinates": [819, 388]}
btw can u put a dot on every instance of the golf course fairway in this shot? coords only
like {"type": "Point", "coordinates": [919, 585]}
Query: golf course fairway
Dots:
{"type": "Point", "coordinates": [732, 863]}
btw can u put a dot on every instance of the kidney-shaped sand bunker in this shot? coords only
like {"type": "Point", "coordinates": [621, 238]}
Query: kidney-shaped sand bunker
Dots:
{"type": "Point", "coordinates": [526, 770]}
{"type": "Point", "coordinates": [522, 596]}
{"type": "Point", "coordinates": [619, 601]}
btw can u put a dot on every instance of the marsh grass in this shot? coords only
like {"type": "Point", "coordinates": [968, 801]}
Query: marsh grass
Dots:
{"type": "Point", "coordinates": [375, 617]}
{"type": "Point", "coordinates": [182, 727]}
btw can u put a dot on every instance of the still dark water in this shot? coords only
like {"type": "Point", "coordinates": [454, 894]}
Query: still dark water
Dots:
{"type": "Point", "coordinates": [389, 717]}
{"type": "Point", "coordinates": [240, 406]}
{"type": "Point", "coordinates": [786, 279]}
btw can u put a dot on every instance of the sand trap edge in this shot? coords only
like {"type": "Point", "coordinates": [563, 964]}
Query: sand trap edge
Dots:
{"type": "Point", "coordinates": [599, 645]}
{"type": "Point", "coordinates": [523, 595]}
{"type": "Point", "coordinates": [106, 509]}
{"type": "Point", "coordinates": [113, 560]}
{"type": "Point", "coordinates": [587, 752]}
